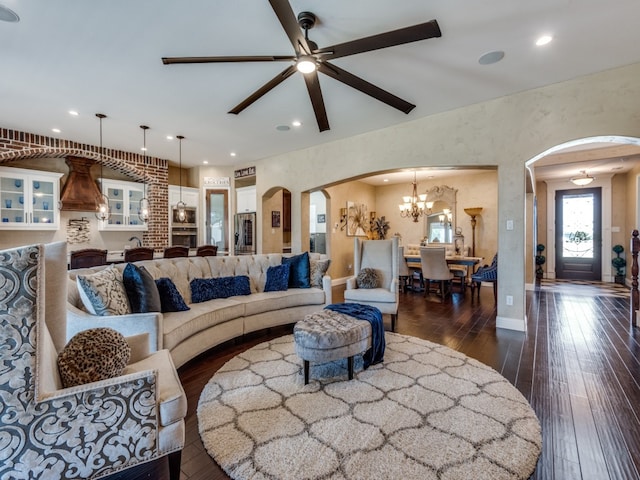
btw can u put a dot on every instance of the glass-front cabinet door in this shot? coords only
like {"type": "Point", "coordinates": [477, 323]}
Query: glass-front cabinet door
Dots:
{"type": "Point", "coordinates": [29, 199]}
{"type": "Point", "coordinates": [124, 202]}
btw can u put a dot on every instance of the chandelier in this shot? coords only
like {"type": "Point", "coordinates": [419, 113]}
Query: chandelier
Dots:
{"type": "Point", "coordinates": [414, 206]}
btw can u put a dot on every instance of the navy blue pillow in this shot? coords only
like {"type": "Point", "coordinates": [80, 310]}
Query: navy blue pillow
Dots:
{"type": "Point", "coordinates": [203, 289]}
{"type": "Point", "coordinates": [141, 289]}
{"type": "Point", "coordinates": [300, 273]}
{"type": "Point", "coordinates": [277, 278]}
{"type": "Point", "coordinates": [170, 298]}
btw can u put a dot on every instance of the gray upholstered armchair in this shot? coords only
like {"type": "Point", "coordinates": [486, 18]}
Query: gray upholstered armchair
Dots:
{"type": "Point", "coordinates": [86, 431]}
{"type": "Point", "coordinates": [381, 256]}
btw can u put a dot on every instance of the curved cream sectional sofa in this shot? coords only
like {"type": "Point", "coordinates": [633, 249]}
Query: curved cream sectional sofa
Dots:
{"type": "Point", "coordinates": [187, 334]}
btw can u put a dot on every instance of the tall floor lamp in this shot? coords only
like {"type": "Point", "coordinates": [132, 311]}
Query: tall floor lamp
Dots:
{"type": "Point", "coordinates": [473, 213]}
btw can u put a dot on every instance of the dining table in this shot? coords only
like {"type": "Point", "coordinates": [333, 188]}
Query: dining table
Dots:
{"type": "Point", "coordinates": [414, 262]}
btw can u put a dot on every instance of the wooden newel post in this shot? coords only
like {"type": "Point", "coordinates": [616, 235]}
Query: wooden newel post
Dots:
{"type": "Point", "coordinates": [635, 297]}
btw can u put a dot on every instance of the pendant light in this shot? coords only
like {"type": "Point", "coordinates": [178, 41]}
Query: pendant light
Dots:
{"type": "Point", "coordinates": [144, 208]}
{"type": "Point", "coordinates": [103, 211]}
{"type": "Point", "coordinates": [181, 206]}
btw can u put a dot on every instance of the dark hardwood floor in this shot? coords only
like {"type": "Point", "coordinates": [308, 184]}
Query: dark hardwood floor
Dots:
{"type": "Point", "coordinates": [578, 364]}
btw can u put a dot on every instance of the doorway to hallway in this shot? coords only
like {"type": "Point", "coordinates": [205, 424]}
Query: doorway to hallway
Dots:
{"type": "Point", "coordinates": [578, 241]}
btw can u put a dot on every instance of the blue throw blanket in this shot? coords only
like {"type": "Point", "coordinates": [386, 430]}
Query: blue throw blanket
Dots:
{"type": "Point", "coordinates": [375, 354]}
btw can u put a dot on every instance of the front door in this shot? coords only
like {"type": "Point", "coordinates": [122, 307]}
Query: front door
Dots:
{"type": "Point", "coordinates": [578, 234]}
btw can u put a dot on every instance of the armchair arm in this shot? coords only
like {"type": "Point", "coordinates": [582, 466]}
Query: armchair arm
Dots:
{"type": "Point", "coordinates": [351, 283]}
{"type": "Point", "coordinates": [326, 286]}
{"type": "Point", "coordinates": [127, 325]}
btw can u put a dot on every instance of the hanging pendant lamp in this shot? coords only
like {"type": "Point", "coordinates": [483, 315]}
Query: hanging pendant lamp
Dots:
{"type": "Point", "coordinates": [145, 207]}
{"type": "Point", "coordinates": [103, 211]}
{"type": "Point", "coordinates": [181, 206]}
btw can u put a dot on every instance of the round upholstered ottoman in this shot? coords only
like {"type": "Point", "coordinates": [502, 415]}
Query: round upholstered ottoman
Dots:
{"type": "Point", "coordinates": [326, 335]}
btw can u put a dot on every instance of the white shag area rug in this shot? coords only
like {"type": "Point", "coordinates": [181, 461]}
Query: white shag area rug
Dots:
{"type": "Point", "coordinates": [427, 412]}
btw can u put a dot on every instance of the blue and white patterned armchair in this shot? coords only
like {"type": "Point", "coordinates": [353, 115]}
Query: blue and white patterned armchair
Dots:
{"type": "Point", "coordinates": [87, 431]}
{"type": "Point", "coordinates": [488, 273]}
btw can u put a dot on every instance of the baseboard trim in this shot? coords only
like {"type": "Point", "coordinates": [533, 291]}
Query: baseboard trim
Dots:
{"type": "Point", "coordinates": [507, 323]}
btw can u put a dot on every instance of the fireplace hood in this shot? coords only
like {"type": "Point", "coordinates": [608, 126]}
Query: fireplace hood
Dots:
{"type": "Point", "coordinates": [80, 192]}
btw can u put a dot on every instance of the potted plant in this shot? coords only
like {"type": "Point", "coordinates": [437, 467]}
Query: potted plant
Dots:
{"type": "Point", "coordinates": [540, 260]}
{"type": "Point", "coordinates": [619, 264]}
{"type": "Point", "coordinates": [380, 226]}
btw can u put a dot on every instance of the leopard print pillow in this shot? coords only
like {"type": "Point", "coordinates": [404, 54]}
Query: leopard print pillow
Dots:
{"type": "Point", "coordinates": [93, 355]}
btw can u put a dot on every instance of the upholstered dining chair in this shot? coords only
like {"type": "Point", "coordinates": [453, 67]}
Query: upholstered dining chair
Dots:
{"type": "Point", "coordinates": [404, 274]}
{"type": "Point", "coordinates": [87, 257]}
{"type": "Point", "coordinates": [488, 273]}
{"type": "Point", "coordinates": [435, 270]}
{"type": "Point", "coordinates": [380, 256]}
{"type": "Point", "coordinates": [138, 253]}
{"type": "Point", "coordinates": [88, 430]}
{"type": "Point", "coordinates": [207, 250]}
{"type": "Point", "coordinates": [176, 251]}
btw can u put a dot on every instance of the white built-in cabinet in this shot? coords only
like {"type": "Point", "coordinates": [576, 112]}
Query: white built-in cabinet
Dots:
{"type": "Point", "coordinates": [124, 203]}
{"type": "Point", "coordinates": [190, 196]}
{"type": "Point", "coordinates": [246, 199]}
{"type": "Point", "coordinates": [29, 199]}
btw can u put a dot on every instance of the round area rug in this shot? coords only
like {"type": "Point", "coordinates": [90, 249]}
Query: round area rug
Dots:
{"type": "Point", "coordinates": [426, 412]}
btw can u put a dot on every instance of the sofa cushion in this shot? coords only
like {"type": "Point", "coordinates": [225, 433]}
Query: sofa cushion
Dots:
{"type": "Point", "coordinates": [141, 289]}
{"type": "Point", "coordinates": [263, 302]}
{"type": "Point", "coordinates": [93, 355]}
{"type": "Point", "coordinates": [170, 298]}
{"type": "Point", "coordinates": [103, 293]}
{"type": "Point", "coordinates": [277, 278]}
{"type": "Point", "coordinates": [318, 268]}
{"type": "Point", "coordinates": [299, 276]}
{"type": "Point", "coordinates": [368, 278]}
{"type": "Point", "coordinates": [203, 289]}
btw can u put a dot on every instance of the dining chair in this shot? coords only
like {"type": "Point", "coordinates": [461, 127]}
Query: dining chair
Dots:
{"type": "Point", "coordinates": [87, 257]}
{"type": "Point", "coordinates": [176, 251]}
{"type": "Point", "coordinates": [207, 251]}
{"type": "Point", "coordinates": [138, 253]}
{"type": "Point", "coordinates": [436, 270]}
{"type": "Point", "coordinates": [404, 274]}
{"type": "Point", "coordinates": [488, 273]}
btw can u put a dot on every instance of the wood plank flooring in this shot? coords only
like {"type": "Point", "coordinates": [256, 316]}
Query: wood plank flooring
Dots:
{"type": "Point", "coordinates": [578, 364]}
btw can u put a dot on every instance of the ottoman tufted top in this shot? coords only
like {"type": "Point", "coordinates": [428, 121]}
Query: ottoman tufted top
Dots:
{"type": "Point", "coordinates": [327, 329]}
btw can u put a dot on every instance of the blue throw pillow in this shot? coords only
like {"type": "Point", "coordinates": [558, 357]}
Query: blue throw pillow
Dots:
{"type": "Point", "coordinates": [277, 278]}
{"type": "Point", "coordinates": [170, 298]}
{"type": "Point", "coordinates": [300, 273]}
{"type": "Point", "coordinates": [203, 289]}
{"type": "Point", "coordinates": [141, 289]}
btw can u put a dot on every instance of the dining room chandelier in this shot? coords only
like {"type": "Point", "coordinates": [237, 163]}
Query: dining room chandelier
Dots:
{"type": "Point", "coordinates": [103, 211]}
{"type": "Point", "coordinates": [144, 207]}
{"type": "Point", "coordinates": [415, 206]}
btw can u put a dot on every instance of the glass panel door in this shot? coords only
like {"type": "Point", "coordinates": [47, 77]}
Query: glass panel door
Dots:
{"type": "Point", "coordinates": [116, 206]}
{"type": "Point", "coordinates": [12, 196]}
{"type": "Point", "coordinates": [134, 207]}
{"type": "Point", "coordinates": [43, 207]}
{"type": "Point", "coordinates": [578, 234]}
{"type": "Point", "coordinates": [217, 219]}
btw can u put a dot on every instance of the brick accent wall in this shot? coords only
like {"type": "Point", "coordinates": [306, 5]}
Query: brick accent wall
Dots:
{"type": "Point", "coordinates": [15, 145]}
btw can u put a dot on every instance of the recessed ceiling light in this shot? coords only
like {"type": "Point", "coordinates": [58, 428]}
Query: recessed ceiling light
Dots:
{"type": "Point", "coordinates": [55, 130]}
{"type": "Point", "coordinates": [296, 123]}
{"type": "Point", "coordinates": [491, 57]}
{"type": "Point", "coordinates": [169, 137]}
{"type": "Point", "coordinates": [73, 112]}
{"type": "Point", "coordinates": [543, 40]}
{"type": "Point", "coordinates": [283, 128]}
{"type": "Point", "coordinates": [205, 162]}
{"type": "Point", "coordinates": [385, 180]}
{"type": "Point", "coordinates": [8, 15]}
{"type": "Point", "coordinates": [144, 149]}
{"type": "Point", "coordinates": [233, 154]}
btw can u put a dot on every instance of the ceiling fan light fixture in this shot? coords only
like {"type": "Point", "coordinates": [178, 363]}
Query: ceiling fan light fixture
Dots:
{"type": "Point", "coordinates": [583, 179]}
{"type": "Point", "coordinates": [306, 64]}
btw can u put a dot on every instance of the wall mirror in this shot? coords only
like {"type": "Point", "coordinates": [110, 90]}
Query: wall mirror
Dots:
{"type": "Point", "coordinates": [440, 223]}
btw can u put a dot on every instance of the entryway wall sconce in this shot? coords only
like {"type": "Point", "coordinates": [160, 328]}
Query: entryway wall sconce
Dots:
{"type": "Point", "coordinates": [343, 218]}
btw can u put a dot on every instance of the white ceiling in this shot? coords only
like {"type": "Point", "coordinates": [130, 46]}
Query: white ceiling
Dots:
{"type": "Point", "coordinates": [105, 57]}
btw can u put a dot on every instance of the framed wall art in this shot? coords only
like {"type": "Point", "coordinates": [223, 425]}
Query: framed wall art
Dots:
{"type": "Point", "coordinates": [275, 219]}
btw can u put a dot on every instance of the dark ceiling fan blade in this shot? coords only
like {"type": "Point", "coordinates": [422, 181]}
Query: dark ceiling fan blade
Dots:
{"type": "Point", "coordinates": [315, 94]}
{"type": "Point", "coordinates": [255, 58]}
{"type": "Point", "coordinates": [365, 87]}
{"type": "Point", "coordinates": [423, 31]}
{"type": "Point", "coordinates": [275, 81]}
{"type": "Point", "coordinates": [289, 22]}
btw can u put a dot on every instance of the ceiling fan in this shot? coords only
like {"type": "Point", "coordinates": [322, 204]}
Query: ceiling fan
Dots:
{"type": "Point", "coordinates": [309, 59]}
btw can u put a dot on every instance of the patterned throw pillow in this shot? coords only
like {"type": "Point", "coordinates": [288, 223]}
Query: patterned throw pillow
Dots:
{"type": "Point", "coordinates": [103, 293]}
{"type": "Point", "coordinates": [368, 278]}
{"type": "Point", "coordinates": [93, 355]}
{"type": "Point", "coordinates": [318, 270]}
{"type": "Point", "coordinates": [141, 289]}
{"type": "Point", "coordinates": [299, 276]}
{"type": "Point", "coordinates": [203, 289]}
{"type": "Point", "coordinates": [277, 278]}
{"type": "Point", "coordinates": [170, 298]}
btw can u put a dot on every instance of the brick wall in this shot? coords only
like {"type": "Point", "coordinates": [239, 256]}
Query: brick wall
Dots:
{"type": "Point", "coordinates": [15, 145]}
